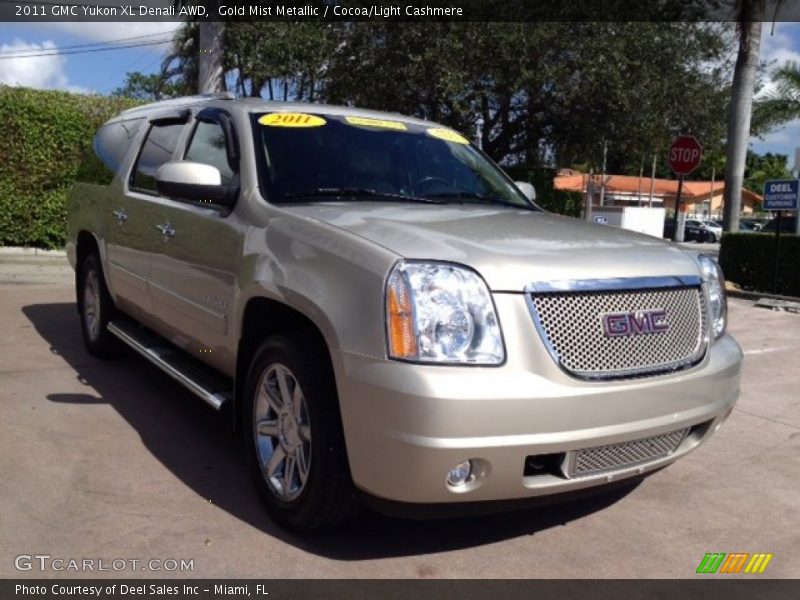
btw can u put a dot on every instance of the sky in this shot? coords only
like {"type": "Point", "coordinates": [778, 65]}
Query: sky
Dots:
{"type": "Point", "coordinates": [103, 72]}
{"type": "Point", "coordinates": [94, 72]}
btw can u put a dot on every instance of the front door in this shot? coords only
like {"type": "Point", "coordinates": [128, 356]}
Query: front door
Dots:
{"type": "Point", "coordinates": [193, 272]}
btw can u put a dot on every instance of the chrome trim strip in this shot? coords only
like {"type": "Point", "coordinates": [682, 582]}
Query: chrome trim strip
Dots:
{"type": "Point", "coordinates": [189, 307]}
{"type": "Point", "coordinates": [126, 270]}
{"type": "Point", "coordinates": [604, 285]}
{"type": "Point", "coordinates": [216, 400]}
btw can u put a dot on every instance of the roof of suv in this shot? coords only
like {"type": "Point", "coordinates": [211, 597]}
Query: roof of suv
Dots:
{"type": "Point", "coordinates": [250, 105]}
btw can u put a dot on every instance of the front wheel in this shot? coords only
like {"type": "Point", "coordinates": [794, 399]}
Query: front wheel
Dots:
{"type": "Point", "coordinates": [293, 435]}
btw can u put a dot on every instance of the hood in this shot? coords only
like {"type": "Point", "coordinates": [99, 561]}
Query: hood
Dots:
{"type": "Point", "coordinates": [510, 248]}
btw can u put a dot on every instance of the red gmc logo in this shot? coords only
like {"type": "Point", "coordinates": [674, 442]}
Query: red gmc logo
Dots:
{"type": "Point", "coordinates": [635, 323]}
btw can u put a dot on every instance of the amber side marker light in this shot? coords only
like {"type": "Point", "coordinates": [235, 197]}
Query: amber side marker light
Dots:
{"type": "Point", "coordinates": [400, 318]}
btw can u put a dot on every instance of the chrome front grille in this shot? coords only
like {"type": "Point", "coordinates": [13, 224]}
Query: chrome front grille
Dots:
{"type": "Point", "coordinates": [602, 459]}
{"type": "Point", "coordinates": [572, 326]}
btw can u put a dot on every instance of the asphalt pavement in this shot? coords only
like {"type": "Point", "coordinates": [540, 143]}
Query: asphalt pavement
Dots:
{"type": "Point", "coordinates": [114, 461]}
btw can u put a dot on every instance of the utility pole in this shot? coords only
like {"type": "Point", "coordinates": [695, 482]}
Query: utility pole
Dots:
{"type": "Point", "coordinates": [209, 60]}
{"type": "Point", "coordinates": [603, 176]}
{"type": "Point", "coordinates": [652, 182]}
{"type": "Point", "coordinates": [641, 173]}
{"type": "Point", "coordinates": [711, 197]}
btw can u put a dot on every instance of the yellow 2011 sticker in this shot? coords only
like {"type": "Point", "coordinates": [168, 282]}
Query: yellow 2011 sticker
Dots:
{"type": "Point", "coordinates": [448, 135]}
{"type": "Point", "coordinates": [377, 123]}
{"type": "Point", "coordinates": [292, 120]}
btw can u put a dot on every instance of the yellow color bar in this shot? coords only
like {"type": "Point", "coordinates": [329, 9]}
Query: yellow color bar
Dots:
{"type": "Point", "coordinates": [758, 563]}
{"type": "Point", "coordinates": [764, 564]}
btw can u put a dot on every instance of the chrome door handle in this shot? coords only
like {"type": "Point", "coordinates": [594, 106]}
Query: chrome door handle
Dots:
{"type": "Point", "coordinates": [121, 215]}
{"type": "Point", "coordinates": [166, 230]}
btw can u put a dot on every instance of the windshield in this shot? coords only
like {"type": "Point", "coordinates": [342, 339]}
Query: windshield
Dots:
{"type": "Point", "coordinates": [322, 157]}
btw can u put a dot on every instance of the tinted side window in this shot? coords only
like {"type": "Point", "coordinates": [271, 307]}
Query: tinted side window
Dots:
{"type": "Point", "coordinates": [110, 146]}
{"type": "Point", "coordinates": [157, 150]}
{"type": "Point", "coordinates": [208, 147]}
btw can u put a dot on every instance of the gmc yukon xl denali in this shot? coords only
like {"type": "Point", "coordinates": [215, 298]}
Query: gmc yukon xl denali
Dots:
{"type": "Point", "coordinates": [385, 315]}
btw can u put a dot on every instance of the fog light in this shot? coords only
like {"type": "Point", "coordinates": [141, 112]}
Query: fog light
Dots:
{"type": "Point", "coordinates": [460, 474]}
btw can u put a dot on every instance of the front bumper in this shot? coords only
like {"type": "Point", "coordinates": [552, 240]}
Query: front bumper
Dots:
{"type": "Point", "coordinates": [406, 425]}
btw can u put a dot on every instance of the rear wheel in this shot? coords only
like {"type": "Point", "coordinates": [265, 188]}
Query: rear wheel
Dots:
{"type": "Point", "coordinates": [712, 238]}
{"type": "Point", "coordinates": [96, 309]}
{"type": "Point", "coordinates": [294, 438]}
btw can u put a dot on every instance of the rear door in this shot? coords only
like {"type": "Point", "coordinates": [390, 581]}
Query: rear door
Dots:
{"type": "Point", "coordinates": [132, 237]}
{"type": "Point", "coordinates": [193, 276]}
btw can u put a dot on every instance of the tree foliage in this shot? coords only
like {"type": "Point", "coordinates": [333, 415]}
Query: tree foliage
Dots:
{"type": "Point", "coordinates": [47, 136]}
{"type": "Point", "coordinates": [782, 104]}
{"type": "Point", "coordinates": [760, 168]}
{"type": "Point", "coordinates": [542, 94]}
{"type": "Point", "coordinates": [147, 88]}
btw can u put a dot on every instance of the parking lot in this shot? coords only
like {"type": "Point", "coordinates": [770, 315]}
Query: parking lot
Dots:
{"type": "Point", "coordinates": [113, 460]}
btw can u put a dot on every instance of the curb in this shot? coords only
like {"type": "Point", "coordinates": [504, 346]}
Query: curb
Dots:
{"type": "Point", "coordinates": [22, 251]}
{"type": "Point", "coordinates": [756, 296]}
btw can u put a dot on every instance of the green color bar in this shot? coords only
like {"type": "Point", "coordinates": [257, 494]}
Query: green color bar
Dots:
{"type": "Point", "coordinates": [711, 562]}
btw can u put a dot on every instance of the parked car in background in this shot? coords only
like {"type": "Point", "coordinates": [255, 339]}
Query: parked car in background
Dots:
{"type": "Point", "coordinates": [714, 230]}
{"type": "Point", "coordinates": [752, 223]}
{"type": "Point", "coordinates": [747, 227]}
{"type": "Point", "coordinates": [788, 225]}
{"type": "Point", "coordinates": [691, 233]}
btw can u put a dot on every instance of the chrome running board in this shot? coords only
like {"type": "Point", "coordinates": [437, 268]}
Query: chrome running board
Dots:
{"type": "Point", "coordinates": [192, 374]}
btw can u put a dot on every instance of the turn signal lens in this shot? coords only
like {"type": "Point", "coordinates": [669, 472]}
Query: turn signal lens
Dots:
{"type": "Point", "coordinates": [400, 318]}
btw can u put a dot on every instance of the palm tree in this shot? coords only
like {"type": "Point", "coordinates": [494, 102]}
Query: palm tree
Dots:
{"type": "Point", "coordinates": [750, 14]}
{"type": "Point", "coordinates": [180, 66]}
{"type": "Point", "coordinates": [209, 73]}
{"type": "Point", "coordinates": [782, 104]}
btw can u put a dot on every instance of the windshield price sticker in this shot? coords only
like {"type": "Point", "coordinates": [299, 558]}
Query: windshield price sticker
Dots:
{"type": "Point", "coordinates": [377, 123]}
{"type": "Point", "coordinates": [291, 120]}
{"type": "Point", "coordinates": [448, 135]}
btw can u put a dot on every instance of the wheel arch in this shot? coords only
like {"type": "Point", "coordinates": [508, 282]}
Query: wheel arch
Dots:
{"type": "Point", "coordinates": [262, 317]}
{"type": "Point", "coordinates": [85, 244]}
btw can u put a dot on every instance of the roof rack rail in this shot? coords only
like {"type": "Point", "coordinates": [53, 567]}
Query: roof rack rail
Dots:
{"type": "Point", "coordinates": [227, 95]}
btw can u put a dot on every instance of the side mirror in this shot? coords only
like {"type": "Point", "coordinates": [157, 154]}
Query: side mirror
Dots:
{"type": "Point", "coordinates": [198, 182]}
{"type": "Point", "coordinates": [527, 189]}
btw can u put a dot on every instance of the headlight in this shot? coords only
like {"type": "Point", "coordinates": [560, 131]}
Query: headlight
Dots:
{"type": "Point", "coordinates": [441, 313]}
{"type": "Point", "coordinates": [715, 284]}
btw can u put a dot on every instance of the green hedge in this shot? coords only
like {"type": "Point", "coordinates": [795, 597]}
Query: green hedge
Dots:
{"type": "Point", "coordinates": [747, 260]}
{"type": "Point", "coordinates": [44, 138]}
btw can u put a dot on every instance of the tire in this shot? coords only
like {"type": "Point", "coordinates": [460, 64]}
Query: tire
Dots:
{"type": "Point", "coordinates": [297, 454]}
{"type": "Point", "coordinates": [96, 309]}
{"type": "Point", "coordinates": [711, 238]}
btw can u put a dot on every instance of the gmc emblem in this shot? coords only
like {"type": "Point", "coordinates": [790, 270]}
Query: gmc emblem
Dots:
{"type": "Point", "coordinates": [635, 323]}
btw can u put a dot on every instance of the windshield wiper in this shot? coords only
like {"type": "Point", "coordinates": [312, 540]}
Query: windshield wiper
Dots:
{"type": "Point", "coordinates": [334, 192]}
{"type": "Point", "coordinates": [473, 198]}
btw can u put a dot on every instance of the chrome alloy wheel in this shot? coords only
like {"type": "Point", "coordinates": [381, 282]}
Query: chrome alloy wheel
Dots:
{"type": "Point", "coordinates": [91, 304]}
{"type": "Point", "coordinates": [282, 432]}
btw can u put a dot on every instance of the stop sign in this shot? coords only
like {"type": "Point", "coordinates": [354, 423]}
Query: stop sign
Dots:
{"type": "Point", "coordinates": [684, 154]}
